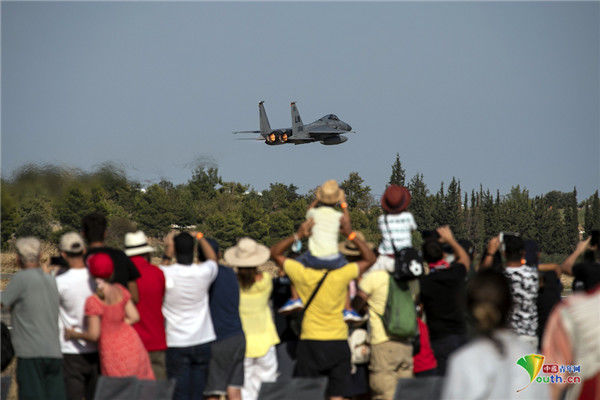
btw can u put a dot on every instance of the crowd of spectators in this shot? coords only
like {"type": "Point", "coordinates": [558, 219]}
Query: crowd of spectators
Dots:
{"type": "Point", "coordinates": [222, 330]}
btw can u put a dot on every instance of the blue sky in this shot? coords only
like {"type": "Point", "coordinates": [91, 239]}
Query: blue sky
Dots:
{"type": "Point", "coordinates": [500, 94]}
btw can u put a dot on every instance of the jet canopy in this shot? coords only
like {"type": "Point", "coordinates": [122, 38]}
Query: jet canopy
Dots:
{"type": "Point", "coordinates": [331, 117]}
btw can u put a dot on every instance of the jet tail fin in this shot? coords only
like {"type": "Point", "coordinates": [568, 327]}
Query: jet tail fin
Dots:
{"type": "Point", "coordinates": [265, 127]}
{"type": "Point", "coordinates": [297, 125]}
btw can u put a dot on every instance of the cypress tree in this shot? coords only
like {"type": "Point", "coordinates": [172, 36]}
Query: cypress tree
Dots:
{"type": "Point", "coordinates": [595, 212]}
{"type": "Point", "coordinates": [398, 173]}
{"type": "Point", "coordinates": [571, 220]}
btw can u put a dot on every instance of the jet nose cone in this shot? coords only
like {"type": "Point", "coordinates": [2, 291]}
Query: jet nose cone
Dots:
{"type": "Point", "coordinates": [348, 127]}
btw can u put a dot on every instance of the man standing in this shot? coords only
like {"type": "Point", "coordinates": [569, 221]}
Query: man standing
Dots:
{"type": "Point", "coordinates": [226, 369]}
{"type": "Point", "coordinates": [188, 322]}
{"type": "Point", "coordinates": [94, 231]}
{"type": "Point", "coordinates": [443, 293]}
{"type": "Point", "coordinates": [81, 362]}
{"type": "Point", "coordinates": [323, 346]}
{"type": "Point", "coordinates": [151, 288]}
{"type": "Point", "coordinates": [33, 300]}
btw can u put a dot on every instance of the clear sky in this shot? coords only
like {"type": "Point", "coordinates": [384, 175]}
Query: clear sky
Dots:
{"type": "Point", "coordinates": [501, 94]}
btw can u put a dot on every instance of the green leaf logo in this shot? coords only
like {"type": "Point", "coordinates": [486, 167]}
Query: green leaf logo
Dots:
{"type": "Point", "coordinates": [531, 363]}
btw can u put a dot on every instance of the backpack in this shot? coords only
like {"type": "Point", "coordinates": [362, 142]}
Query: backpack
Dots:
{"type": "Point", "coordinates": [408, 263]}
{"type": "Point", "coordinates": [399, 317]}
{"type": "Point", "coordinates": [8, 352]}
{"type": "Point", "coordinates": [360, 351]}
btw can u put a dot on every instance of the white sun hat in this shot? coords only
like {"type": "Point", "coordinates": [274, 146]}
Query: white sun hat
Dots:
{"type": "Point", "coordinates": [247, 253]}
{"type": "Point", "coordinates": [136, 243]}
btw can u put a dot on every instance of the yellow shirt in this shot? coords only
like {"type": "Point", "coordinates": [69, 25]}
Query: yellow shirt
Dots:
{"type": "Point", "coordinates": [376, 284]}
{"type": "Point", "coordinates": [323, 319]}
{"type": "Point", "coordinates": [323, 240]}
{"type": "Point", "coordinates": [257, 321]}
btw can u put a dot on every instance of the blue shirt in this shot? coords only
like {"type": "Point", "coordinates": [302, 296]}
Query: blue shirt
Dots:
{"type": "Point", "coordinates": [224, 304]}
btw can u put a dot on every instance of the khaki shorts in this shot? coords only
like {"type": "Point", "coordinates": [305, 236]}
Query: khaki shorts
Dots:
{"type": "Point", "coordinates": [390, 361]}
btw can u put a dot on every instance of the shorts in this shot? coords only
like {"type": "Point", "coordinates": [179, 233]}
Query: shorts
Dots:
{"type": "Point", "coordinates": [331, 263]}
{"type": "Point", "coordinates": [226, 367]}
{"type": "Point", "coordinates": [330, 358]}
{"type": "Point", "coordinates": [390, 361]}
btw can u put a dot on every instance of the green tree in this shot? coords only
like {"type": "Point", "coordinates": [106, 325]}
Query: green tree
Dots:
{"type": "Point", "coordinates": [358, 195]}
{"type": "Point", "coordinates": [34, 216]}
{"type": "Point", "coordinates": [572, 220]}
{"type": "Point", "coordinates": [203, 183]}
{"type": "Point", "coordinates": [9, 216]}
{"type": "Point", "coordinates": [587, 221]}
{"type": "Point", "coordinates": [420, 204]}
{"type": "Point", "coordinates": [515, 213]}
{"type": "Point", "coordinates": [452, 209]}
{"type": "Point", "coordinates": [398, 173]}
{"type": "Point", "coordinates": [74, 206]}
{"type": "Point", "coordinates": [595, 212]}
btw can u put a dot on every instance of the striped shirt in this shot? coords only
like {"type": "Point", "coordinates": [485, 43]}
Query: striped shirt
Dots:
{"type": "Point", "coordinates": [398, 227]}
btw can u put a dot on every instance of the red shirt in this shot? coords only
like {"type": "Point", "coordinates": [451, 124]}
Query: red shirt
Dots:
{"type": "Point", "coordinates": [151, 289]}
{"type": "Point", "coordinates": [425, 360]}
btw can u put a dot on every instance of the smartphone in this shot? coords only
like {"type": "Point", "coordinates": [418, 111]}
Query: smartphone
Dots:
{"type": "Point", "coordinates": [595, 237]}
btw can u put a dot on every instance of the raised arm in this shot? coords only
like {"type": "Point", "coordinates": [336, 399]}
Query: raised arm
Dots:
{"type": "Point", "coordinates": [492, 248]}
{"type": "Point", "coordinates": [278, 249]}
{"type": "Point", "coordinates": [368, 258]}
{"type": "Point", "coordinates": [446, 236]}
{"type": "Point", "coordinates": [567, 265]}
{"type": "Point", "coordinates": [207, 249]}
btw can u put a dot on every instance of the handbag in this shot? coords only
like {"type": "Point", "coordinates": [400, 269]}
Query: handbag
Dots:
{"type": "Point", "coordinates": [408, 263]}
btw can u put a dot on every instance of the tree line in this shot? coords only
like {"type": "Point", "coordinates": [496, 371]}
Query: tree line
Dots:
{"type": "Point", "coordinates": [46, 201]}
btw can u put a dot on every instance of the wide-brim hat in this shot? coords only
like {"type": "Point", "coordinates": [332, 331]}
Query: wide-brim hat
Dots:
{"type": "Point", "coordinates": [247, 253]}
{"type": "Point", "coordinates": [136, 243]}
{"type": "Point", "coordinates": [329, 192]}
{"type": "Point", "coordinates": [349, 248]}
{"type": "Point", "coordinates": [395, 199]}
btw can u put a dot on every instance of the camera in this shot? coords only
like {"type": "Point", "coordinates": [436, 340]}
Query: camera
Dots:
{"type": "Point", "coordinates": [58, 260]}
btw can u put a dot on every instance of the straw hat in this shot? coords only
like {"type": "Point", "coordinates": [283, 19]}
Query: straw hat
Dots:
{"type": "Point", "coordinates": [329, 192]}
{"type": "Point", "coordinates": [247, 253]}
{"type": "Point", "coordinates": [349, 248]}
{"type": "Point", "coordinates": [395, 199]}
{"type": "Point", "coordinates": [136, 243]}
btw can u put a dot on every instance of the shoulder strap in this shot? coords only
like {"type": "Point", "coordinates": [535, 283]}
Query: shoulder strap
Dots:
{"type": "Point", "coordinates": [314, 293]}
{"type": "Point", "coordinates": [390, 233]}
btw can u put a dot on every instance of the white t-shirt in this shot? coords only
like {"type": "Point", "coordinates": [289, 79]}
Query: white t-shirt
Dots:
{"type": "Point", "coordinates": [186, 307]}
{"type": "Point", "coordinates": [323, 241]}
{"type": "Point", "coordinates": [400, 227]}
{"type": "Point", "coordinates": [74, 287]}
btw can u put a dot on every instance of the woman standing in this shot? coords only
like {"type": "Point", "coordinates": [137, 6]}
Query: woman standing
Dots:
{"type": "Point", "coordinates": [260, 364]}
{"type": "Point", "coordinates": [487, 367]}
{"type": "Point", "coordinates": [110, 314]}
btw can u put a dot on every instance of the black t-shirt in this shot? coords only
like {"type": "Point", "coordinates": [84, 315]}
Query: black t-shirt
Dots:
{"type": "Point", "coordinates": [588, 273]}
{"type": "Point", "coordinates": [443, 297]}
{"type": "Point", "coordinates": [125, 270]}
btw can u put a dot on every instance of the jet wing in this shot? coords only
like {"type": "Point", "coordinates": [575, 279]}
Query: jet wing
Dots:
{"type": "Point", "coordinates": [320, 133]}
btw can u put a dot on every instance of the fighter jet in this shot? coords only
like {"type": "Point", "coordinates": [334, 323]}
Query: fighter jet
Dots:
{"type": "Point", "coordinates": [327, 130]}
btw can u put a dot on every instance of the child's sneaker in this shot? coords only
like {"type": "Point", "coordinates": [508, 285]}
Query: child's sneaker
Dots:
{"type": "Point", "coordinates": [290, 306]}
{"type": "Point", "coordinates": [352, 316]}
